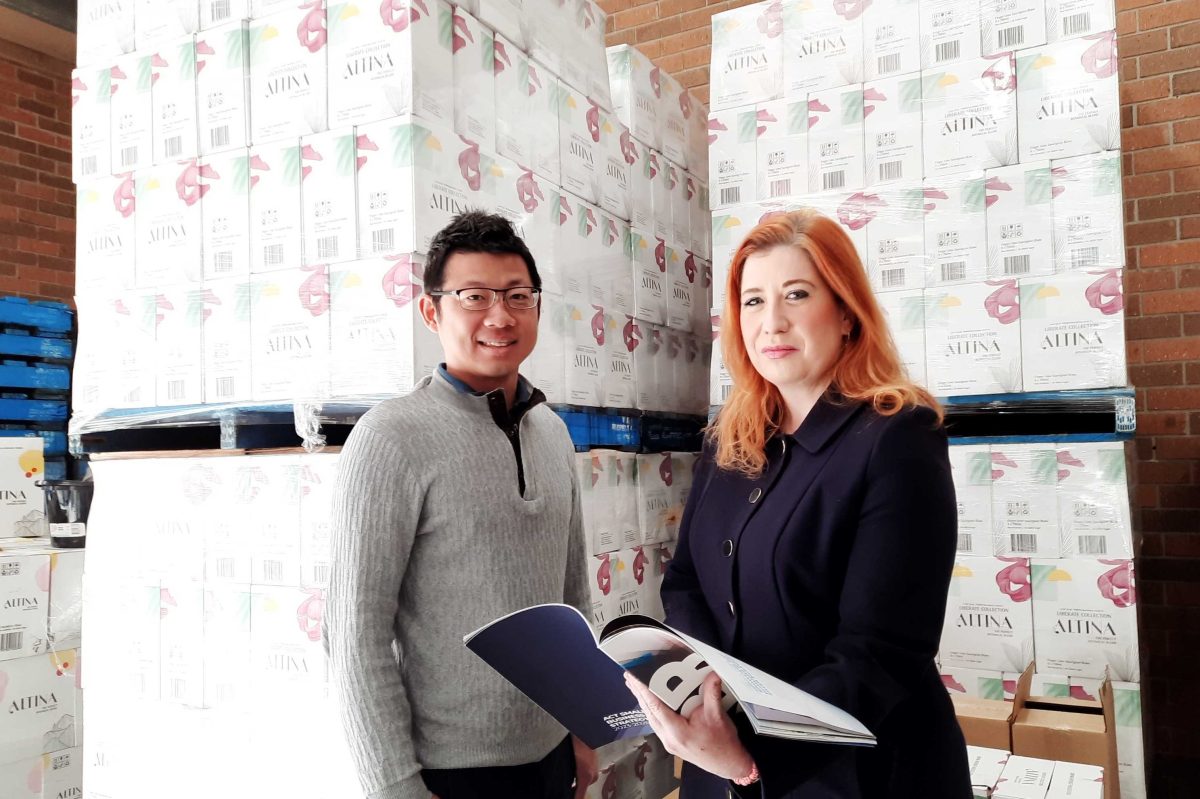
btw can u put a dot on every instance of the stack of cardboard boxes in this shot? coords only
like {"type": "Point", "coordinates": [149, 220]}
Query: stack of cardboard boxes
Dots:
{"type": "Point", "coordinates": [259, 184]}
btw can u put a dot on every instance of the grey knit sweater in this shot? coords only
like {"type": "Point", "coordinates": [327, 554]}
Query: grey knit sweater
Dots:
{"type": "Point", "coordinates": [431, 540]}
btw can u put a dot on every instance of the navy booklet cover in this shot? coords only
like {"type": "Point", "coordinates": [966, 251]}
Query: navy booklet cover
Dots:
{"type": "Point", "coordinates": [550, 653]}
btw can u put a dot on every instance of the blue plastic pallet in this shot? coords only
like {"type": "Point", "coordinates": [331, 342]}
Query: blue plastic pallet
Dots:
{"type": "Point", "coordinates": [27, 346]}
{"type": "Point", "coordinates": [50, 317]}
{"type": "Point", "coordinates": [56, 468]}
{"type": "Point", "coordinates": [54, 442]}
{"type": "Point", "coordinates": [44, 377]}
{"type": "Point", "coordinates": [600, 428]}
{"type": "Point", "coordinates": [33, 410]}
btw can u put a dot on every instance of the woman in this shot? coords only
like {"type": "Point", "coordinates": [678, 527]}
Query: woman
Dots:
{"type": "Point", "coordinates": [818, 540]}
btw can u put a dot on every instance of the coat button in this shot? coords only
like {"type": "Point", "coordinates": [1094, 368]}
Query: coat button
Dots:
{"type": "Point", "coordinates": [755, 495]}
{"type": "Point", "coordinates": [727, 548]}
{"type": "Point", "coordinates": [732, 612]}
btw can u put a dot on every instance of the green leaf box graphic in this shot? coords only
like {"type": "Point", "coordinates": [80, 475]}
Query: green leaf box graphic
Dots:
{"type": "Point", "coordinates": [747, 127]}
{"type": "Point", "coordinates": [1044, 588]}
{"type": "Point", "coordinates": [1029, 78]}
{"type": "Point", "coordinates": [410, 145]}
{"type": "Point", "coordinates": [1106, 175]}
{"type": "Point", "coordinates": [1127, 706]}
{"type": "Point", "coordinates": [1060, 689]}
{"type": "Point", "coordinates": [1112, 466]}
{"type": "Point", "coordinates": [852, 107]}
{"type": "Point", "coordinates": [103, 85]}
{"type": "Point", "coordinates": [445, 25]}
{"type": "Point", "coordinates": [937, 311]}
{"type": "Point", "coordinates": [333, 17]}
{"type": "Point", "coordinates": [194, 312]}
{"type": "Point", "coordinates": [258, 42]}
{"type": "Point", "coordinates": [1038, 186]}
{"type": "Point", "coordinates": [488, 50]}
{"type": "Point", "coordinates": [235, 48]}
{"type": "Point", "coordinates": [1033, 304]}
{"type": "Point", "coordinates": [974, 196]}
{"type": "Point", "coordinates": [291, 165]}
{"type": "Point", "coordinates": [243, 299]}
{"type": "Point", "coordinates": [1045, 467]}
{"type": "Point", "coordinates": [979, 469]}
{"type": "Point", "coordinates": [144, 72]}
{"type": "Point", "coordinates": [912, 313]}
{"type": "Point", "coordinates": [910, 96]}
{"type": "Point", "coordinates": [620, 64]}
{"type": "Point", "coordinates": [797, 118]}
{"type": "Point", "coordinates": [932, 87]}
{"type": "Point", "coordinates": [344, 155]}
{"type": "Point", "coordinates": [239, 174]}
{"type": "Point", "coordinates": [186, 62]}
{"type": "Point", "coordinates": [991, 688]}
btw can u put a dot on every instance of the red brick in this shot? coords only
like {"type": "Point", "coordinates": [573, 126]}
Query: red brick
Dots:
{"type": "Point", "coordinates": [1189, 227]}
{"type": "Point", "coordinates": [1140, 328]}
{"type": "Point", "coordinates": [1192, 378]}
{"type": "Point", "coordinates": [1168, 110]}
{"type": "Point", "coordinates": [1181, 546]}
{"type": "Point", "coordinates": [1145, 137]}
{"type": "Point", "coordinates": [655, 32]}
{"type": "Point", "coordinates": [1139, 91]}
{"type": "Point", "coordinates": [1186, 130]}
{"type": "Point", "coordinates": [1168, 206]}
{"type": "Point", "coordinates": [671, 64]}
{"type": "Point", "coordinates": [1147, 42]}
{"type": "Point", "coordinates": [1151, 185]}
{"type": "Point", "coordinates": [1183, 35]}
{"type": "Point", "coordinates": [1126, 118]}
{"type": "Point", "coordinates": [1138, 281]}
{"type": "Point", "coordinates": [1157, 375]}
{"type": "Point", "coordinates": [611, 7]}
{"type": "Point", "coordinates": [1173, 399]}
{"type": "Point", "coordinates": [1179, 349]}
{"type": "Point", "coordinates": [671, 8]}
{"type": "Point", "coordinates": [1162, 473]}
{"type": "Point", "coordinates": [1174, 254]}
{"type": "Point", "coordinates": [697, 57]}
{"type": "Point", "coordinates": [1126, 23]}
{"type": "Point", "coordinates": [1125, 5]}
{"type": "Point", "coordinates": [1165, 14]}
{"type": "Point", "coordinates": [1145, 497]}
{"type": "Point", "coordinates": [1173, 448]}
{"type": "Point", "coordinates": [702, 18]}
{"type": "Point", "coordinates": [697, 37]}
{"type": "Point", "coordinates": [1186, 83]}
{"type": "Point", "coordinates": [1187, 179]}
{"type": "Point", "coordinates": [634, 16]}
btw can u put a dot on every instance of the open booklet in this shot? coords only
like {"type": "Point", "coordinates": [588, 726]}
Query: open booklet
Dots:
{"type": "Point", "coordinates": [550, 653]}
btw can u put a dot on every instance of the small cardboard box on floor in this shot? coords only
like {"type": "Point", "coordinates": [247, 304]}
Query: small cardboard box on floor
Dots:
{"type": "Point", "coordinates": [988, 722]}
{"type": "Point", "coordinates": [1071, 730]}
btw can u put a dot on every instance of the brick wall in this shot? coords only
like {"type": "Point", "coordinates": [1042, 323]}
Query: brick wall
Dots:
{"type": "Point", "coordinates": [1160, 95]}
{"type": "Point", "coordinates": [37, 198]}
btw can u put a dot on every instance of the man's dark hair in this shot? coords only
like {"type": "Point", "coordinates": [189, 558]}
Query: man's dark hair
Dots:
{"type": "Point", "coordinates": [475, 231]}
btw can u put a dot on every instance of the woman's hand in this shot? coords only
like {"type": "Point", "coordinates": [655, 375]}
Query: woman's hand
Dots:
{"type": "Point", "coordinates": [707, 740]}
{"type": "Point", "coordinates": [587, 767]}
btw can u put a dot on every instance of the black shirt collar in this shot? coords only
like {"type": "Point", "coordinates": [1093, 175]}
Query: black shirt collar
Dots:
{"type": "Point", "coordinates": [826, 418]}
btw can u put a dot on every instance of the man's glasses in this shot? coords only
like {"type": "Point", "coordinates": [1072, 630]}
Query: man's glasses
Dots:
{"type": "Point", "coordinates": [478, 298]}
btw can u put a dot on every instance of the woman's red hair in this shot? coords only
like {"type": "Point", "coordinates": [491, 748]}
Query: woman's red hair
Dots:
{"type": "Point", "coordinates": [868, 370]}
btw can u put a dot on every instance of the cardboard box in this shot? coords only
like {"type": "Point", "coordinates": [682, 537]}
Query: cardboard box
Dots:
{"type": "Point", "coordinates": [396, 62]}
{"type": "Point", "coordinates": [159, 21]}
{"type": "Point", "coordinates": [579, 143]}
{"type": "Point", "coordinates": [276, 240]}
{"type": "Point", "coordinates": [413, 178]}
{"type": "Point", "coordinates": [1069, 18]}
{"type": "Point", "coordinates": [532, 205]}
{"type": "Point", "coordinates": [1011, 26]}
{"type": "Point", "coordinates": [973, 338]}
{"type": "Point", "coordinates": [1071, 731]}
{"type": "Point", "coordinates": [40, 704]}
{"type": "Point", "coordinates": [66, 599]}
{"type": "Point", "coordinates": [173, 99]}
{"type": "Point", "coordinates": [955, 230]}
{"type": "Point", "coordinates": [973, 682]}
{"type": "Point", "coordinates": [105, 30]}
{"type": "Point", "coordinates": [1024, 501]}
{"type": "Point", "coordinates": [328, 197]}
{"type": "Point", "coordinates": [546, 367]}
{"type": "Point", "coordinates": [696, 121]}
{"type": "Point", "coordinates": [649, 277]}
{"type": "Point", "coordinates": [217, 12]}
{"type": "Point", "coordinates": [62, 772]}
{"type": "Point", "coordinates": [969, 115]}
{"type": "Point", "coordinates": [747, 56]}
{"type": "Point", "coordinates": [1024, 778]}
{"type": "Point", "coordinates": [987, 723]}
{"type": "Point", "coordinates": [514, 138]}
{"type": "Point", "coordinates": [224, 187]}
{"type": "Point", "coordinates": [989, 621]}
{"type": "Point", "coordinates": [1085, 618]}
{"type": "Point", "coordinates": [288, 72]}
{"type": "Point", "coordinates": [226, 323]}
{"type": "Point", "coordinates": [986, 767]}
{"type": "Point", "coordinates": [733, 156]}
{"type": "Point", "coordinates": [892, 119]}
{"type": "Point", "coordinates": [971, 469]}
{"type": "Point", "coordinates": [544, 101]}
{"type": "Point", "coordinates": [223, 87]}
{"type": "Point", "coordinates": [823, 46]}
{"type": "Point", "coordinates": [506, 17]}
{"type": "Point", "coordinates": [131, 112]}
{"type": "Point", "coordinates": [1127, 712]}
{"type": "Point", "coordinates": [1076, 781]}
{"type": "Point", "coordinates": [701, 218]}
{"type": "Point", "coordinates": [896, 238]}
{"type": "Point", "coordinates": [635, 92]}
{"type": "Point", "coordinates": [1073, 331]}
{"type": "Point", "coordinates": [474, 62]}
{"type": "Point", "coordinates": [618, 157]}
{"type": "Point", "coordinates": [949, 32]}
{"type": "Point", "coordinates": [673, 102]}
{"type": "Point", "coordinates": [289, 334]}
{"type": "Point", "coordinates": [25, 590]}
{"type": "Point", "coordinates": [782, 148]}
{"type": "Point", "coordinates": [379, 343]}
{"type": "Point", "coordinates": [836, 154]}
{"type": "Point", "coordinates": [1087, 198]}
{"type": "Point", "coordinates": [892, 37]}
{"type": "Point", "coordinates": [585, 353]}
{"type": "Point", "coordinates": [1020, 220]}
{"type": "Point", "coordinates": [1067, 99]}
{"type": "Point", "coordinates": [179, 346]}
{"type": "Point", "coordinates": [91, 148]}
{"type": "Point", "coordinates": [169, 225]}
{"type": "Point", "coordinates": [287, 659]}
{"type": "Point", "coordinates": [105, 234]}
{"type": "Point", "coordinates": [181, 642]}
{"type": "Point", "coordinates": [679, 233]}
{"type": "Point", "coordinates": [648, 364]}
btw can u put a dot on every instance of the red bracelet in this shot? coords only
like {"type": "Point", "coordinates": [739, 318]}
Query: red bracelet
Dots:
{"type": "Point", "coordinates": [750, 778]}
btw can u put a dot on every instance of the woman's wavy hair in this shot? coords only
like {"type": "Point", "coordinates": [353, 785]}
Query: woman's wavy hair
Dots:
{"type": "Point", "coordinates": [868, 369]}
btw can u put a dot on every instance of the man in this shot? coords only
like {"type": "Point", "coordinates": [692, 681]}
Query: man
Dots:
{"type": "Point", "coordinates": [456, 504]}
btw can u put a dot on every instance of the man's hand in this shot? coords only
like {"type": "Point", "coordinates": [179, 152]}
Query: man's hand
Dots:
{"type": "Point", "coordinates": [587, 767]}
{"type": "Point", "coordinates": [706, 739]}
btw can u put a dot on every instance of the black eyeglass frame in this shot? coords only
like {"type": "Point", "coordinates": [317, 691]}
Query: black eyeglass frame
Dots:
{"type": "Point", "coordinates": [496, 294]}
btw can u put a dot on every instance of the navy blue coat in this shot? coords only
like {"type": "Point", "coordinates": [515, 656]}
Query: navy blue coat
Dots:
{"type": "Point", "coordinates": [830, 571]}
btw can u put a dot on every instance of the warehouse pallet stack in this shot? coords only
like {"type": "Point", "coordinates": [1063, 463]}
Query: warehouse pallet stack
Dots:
{"type": "Point", "coordinates": [971, 153]}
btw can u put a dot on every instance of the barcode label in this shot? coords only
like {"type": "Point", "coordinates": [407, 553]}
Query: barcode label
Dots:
{"type": "Point", "coordinates": [781, 188]}
{"type": "Point", "coordinates": [833, 180]}
{"type": "Point", "coordinates": [327, 247]}
{"type": "Point", "coordinates": [383, 240]}
{"type": "Point", "coordinates": [892, 278]}
{"type": "Point", "coordinates": [273, 254]}
{"type": "Point", "coordinates": [891, 170]}
{"type": "Point", "coordinates": [1085, 257]}
{"type": "Point", "coordinates": [946, 51]}
{"type": "Point", "coordinates": [726, 391]}
{"type": "Point", "coordinates": [11, 642]}
{"type": "Point", "coordinates": [1016, 264]}
{"type": "Point", "coordinates": [223, 261]}
{"type": "Point", "coordinates": [1023, 542]}
{"type": "Point", "coordinates": [320, 573]}
{"type": "Point", "coordinates": [889, 63]}
{"type": "Point", "coordinates": [88, 165]}
{"type": "Point", "coordinates": [964, 542]}
{"type": "Point", "coordinates": [219, 137]}
{"type": "Point", "coordinates": [173, 147]}
{"type": "Point", "coordinates": [225, 387]}
{"type": "Point", "coordinates": [731, 195]}
{"type": "Point", "coordinates": [220, 10]}
{"type": "Point", "coordinates": [955, 270]}
{"type": "Point", "coordinates": [176, 389]}
{"type": "Point", "coordinates": [272, 571]}
{"type": "Point", "coordinates": [1093, 545]}
{"type": "Point", "coordinates": [1011, 37]}
{"type": "Point", "coordinates": [1077, 23]}
{"type": "Point", "coordinates": [178, 688]}
{"type": "Point", "coordinates": [129, 155]}
{"type": "Point", "coordinates": [225, 566]}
